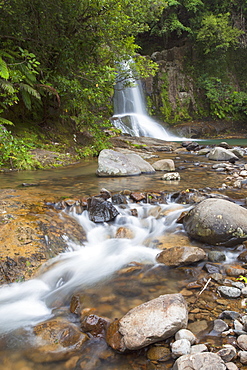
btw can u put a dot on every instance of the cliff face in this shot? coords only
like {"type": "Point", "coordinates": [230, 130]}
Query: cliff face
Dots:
{"type": "Point", "coordinates": [172, 93]}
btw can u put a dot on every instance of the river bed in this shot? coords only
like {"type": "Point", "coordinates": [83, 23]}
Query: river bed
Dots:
{"type": "Point", "coordinates": [113, 275]}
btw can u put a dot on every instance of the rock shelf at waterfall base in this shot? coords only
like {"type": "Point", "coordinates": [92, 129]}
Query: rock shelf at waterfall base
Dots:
{"type": "Point", "coordinates": [131, 258]}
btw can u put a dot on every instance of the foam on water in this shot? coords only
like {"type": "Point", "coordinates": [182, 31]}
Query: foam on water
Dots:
{"type": "Point", "coordinates": [130, 114]}
{"type": "Point", "coordinates": [26, 303]}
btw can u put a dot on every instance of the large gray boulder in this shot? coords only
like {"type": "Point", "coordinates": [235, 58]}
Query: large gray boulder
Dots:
{"type": "Point", "coordinates": [113, 163]}
{"type": "Point", "coordinates": [200, 361]}
{"type": "Point", "coordinates": [221, 154]}
{"type": "Point", "coordinates": [217, 222]}
{"type": "Point", "coordinates": [153, 321]}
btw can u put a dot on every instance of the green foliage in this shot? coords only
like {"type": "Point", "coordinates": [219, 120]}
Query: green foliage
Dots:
{"type": "Point", "coordinates": [14, 152]}
{"type": "Point", "coordinates": [224, 101]}
{"type": "Point", "coordinates": [243, 278]}
{"type": "Point", "coordinates": [216, 33]}
{"type": "Point", "coordinates": [18, 70]}
{"type": "Point", "coordinates": [176, 18]}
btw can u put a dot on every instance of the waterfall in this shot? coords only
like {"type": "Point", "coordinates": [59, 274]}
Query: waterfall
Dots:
{"type": "Point", "coordinates": [130, 114]}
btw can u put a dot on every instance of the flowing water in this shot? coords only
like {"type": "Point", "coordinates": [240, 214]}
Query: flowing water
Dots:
{"type": "Point", "coordinates": [130, 114]}
{"type": "Point", "coordinates": [97, 269]}
{"type": "Point", "coordinates": [114, 274]}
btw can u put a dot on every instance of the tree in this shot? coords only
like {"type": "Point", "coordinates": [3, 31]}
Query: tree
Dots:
{"type": "Point", "coordinates": [77, 44]}
{"type": "Point", "coordinates": [216, 33]}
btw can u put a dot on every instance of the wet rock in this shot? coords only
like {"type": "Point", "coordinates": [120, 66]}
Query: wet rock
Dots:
{"type": "Point", "coordinates": [185, 334]}
{"type": "Point", "coordinates": [100, 210]}
{"type": "Point", "coordinates": [221, 154]}
{"type": "Point", "coordinates": [158, 353]}
{"type": "Point", "coordinates": [124, 232]}
{"type": "Point", "coordinates": [119, 199]}
{"type": "Point", "coordinates": [238, 326]}
{"type": "Point", "coordinates": [242, 342]}
{"type": "Point", "coordinates": [238, 152]}
{"type": "Point", "coordinates": [244, 321]}
{"type": "Point", "coordinates": [56, 340]}
{"type": "Point", "coordinates": [193, 146]}
{"type": "Point", "coordinates": [95, 325]}
{"type": "Point", "coordinates": [112, 163]}
{"type": "Point", "coordinates": [231, 366]}
{"type": "Point", "coordinates": [224, 144]}
{"type": "Point", "coordinates": [243, 357]}
{"type": "Point", "coordinates": [229, 292]}
{"type": "Point", "coordinates": [217, 222]}
{"type": "Point", "coordinates": [172, 176]}
{"type": "Point", "coordinates": [164, 165]}
{"type": "Point", "coordinates": [199, 361]}
{"type": "Point", "coordinates": [105, 194]}
{"type": "Point", "coordinates": [150, 322]}
{"type": "Point", "coordinates": [220, 326]}
{"type": "Point", "coordinates": [212, 269]}
{"type": "Point", "coordinates": [113, 336]}
{"type": "Point", "coordinates": [138, 197]}
{"type": "Point", "coordinates": [216, 256]}
{"type": "Point", "coordinates": [198, 348]}
{"type": "Point", "coordinates": [236, 270]}
{"type": "Point", "coordinates": [177, 256]}
{"type": "Point", "coordinates": [243, 256]}
{"type": "Point", "coordinates": [203, 151]}
{"type": "Point", "coordinates": [232, 315]}
{"type": "Point", "coordinates": [180, 347]}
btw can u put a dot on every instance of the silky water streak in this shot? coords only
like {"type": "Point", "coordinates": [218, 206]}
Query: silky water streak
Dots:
{"type": "Point", "coordinates": [130, 114]}
{"type": "Point", "coordinates": [81, 266]}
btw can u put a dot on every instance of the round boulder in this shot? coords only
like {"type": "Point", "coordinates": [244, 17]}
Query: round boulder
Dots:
{"type": "Point", "coordinates": [217, 222]}
{"type": "Point", "coordinates": [221, 154]}
{"type": "Point", "coordinates": [164, 165]}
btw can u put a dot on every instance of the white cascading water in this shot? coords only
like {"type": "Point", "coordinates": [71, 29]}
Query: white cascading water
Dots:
{"type": "Point", "coordinates": [130, 114]}
{"type": "Point", "coordinates": [26, 303]}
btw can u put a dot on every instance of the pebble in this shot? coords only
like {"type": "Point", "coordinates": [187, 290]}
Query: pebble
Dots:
{"type": "Point", "coordinates": [238, 326]}
{"type": "Point", "coordinates": [244, 291]}
{"type": "Point", "coordinates": [229, 292]}
{"type": "Point", "coordinates": [231, 366]}
{"type": "Point", "coordinates": [232, 315]}
{"type": "Point", "coordinates": [180, 347]}
{"type": "Point", "coordinates": [243, 357]}
{"type": "Point", "coordinates": [220, 326]}
{"type": "Point", "coordinates": [185, 334]}
{"type": "Point", "coordinates": [227, 353]}
{"type": "Point", "coordinates": [198, 348]}
{"type": "Point", "coordinates": [242, 341]}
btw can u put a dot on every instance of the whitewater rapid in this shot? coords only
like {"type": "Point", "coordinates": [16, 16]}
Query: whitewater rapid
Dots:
{"type": "Point", "coordinates": [80, 266]}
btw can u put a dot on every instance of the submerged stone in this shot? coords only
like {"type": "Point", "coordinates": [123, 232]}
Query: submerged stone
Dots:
{"type": "Point", "coordinates": [55, 340]}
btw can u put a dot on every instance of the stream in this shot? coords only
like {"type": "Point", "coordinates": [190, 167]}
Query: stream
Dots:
{"type": "Point", "coordinates": [113, 274]}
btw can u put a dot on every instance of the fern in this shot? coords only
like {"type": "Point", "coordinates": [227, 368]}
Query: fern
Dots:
{"type": "Point", "coordinates": [30, 90]}
{"type": "Point", "coordinates": [4, 71]}
{"type": "Point", "coordinates": [26, 99]}
{"type": "Point", "coordinates": [4, 121]}
{"type": "Point", "coordinates": [7, 86]}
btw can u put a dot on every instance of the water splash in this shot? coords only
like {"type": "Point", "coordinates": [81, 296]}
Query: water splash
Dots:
{"type": "Point", "coordinates": [130, 114]}
{"type": "Point", "coordinates": [27, 303]}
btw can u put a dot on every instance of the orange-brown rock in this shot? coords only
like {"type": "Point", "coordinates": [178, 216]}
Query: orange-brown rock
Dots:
{"type": "Point", "coordinates": [55, 340]}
